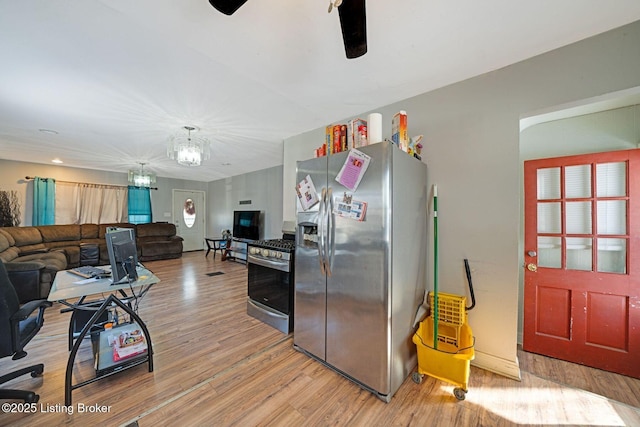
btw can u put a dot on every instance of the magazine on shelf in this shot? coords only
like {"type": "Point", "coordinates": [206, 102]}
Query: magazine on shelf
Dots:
{"type": "Point", "coordinates": [128, 344]}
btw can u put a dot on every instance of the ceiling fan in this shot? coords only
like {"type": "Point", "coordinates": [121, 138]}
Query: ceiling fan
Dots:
{"type": "Point", "coordinates": [353, 21]}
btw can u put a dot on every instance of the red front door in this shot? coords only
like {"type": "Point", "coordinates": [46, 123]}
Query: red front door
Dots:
{"type": "Point", "coordinates": [582, 259]}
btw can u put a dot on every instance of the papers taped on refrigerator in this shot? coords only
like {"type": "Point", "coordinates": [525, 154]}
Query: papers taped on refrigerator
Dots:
{"type": "Point", "coordinates": [353, 169]}
{"type": "Point", "coordinates": [351, 209]}
{"type": "Point", "coordinates": [307, 193]}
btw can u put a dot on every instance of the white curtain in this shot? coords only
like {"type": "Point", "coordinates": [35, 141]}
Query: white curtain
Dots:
{"type": "Point", "coordinates": [78, 203]}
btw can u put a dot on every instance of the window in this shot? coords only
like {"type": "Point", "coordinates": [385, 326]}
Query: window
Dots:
{"type": "Point", "coordinates": [139, 201]}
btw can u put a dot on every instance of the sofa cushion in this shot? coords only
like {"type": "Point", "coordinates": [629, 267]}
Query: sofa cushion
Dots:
{"type": "Point", "coordinates": [7, 250]}
{"type": "Point", "coordinates": [103, 228]}
{"type": "Point", "coordinates": [7, 236]}
{"type": "Point", "coordinates": [60, 233]}
{"type": "Point", "coordinates": [4, 242]}
{"type": "Point", "coordinates": [25, 236]}
{"type": "Point", "coordinates": [9, 254]}
{"type": "Point", "coordinates": [71, 251]}
{"type": "Point", "coordinates": [89, 254]}
{"type": "Point", "coordinates": [161, 249]}
{"type": "Point", "coordinates": [156, 229]}
{"type": "Point", "coordinates": [88, 231]}
{"type": "Point", "coordinates": [31, 249]}
{"type": "Point", "coordinates": [53, 260]}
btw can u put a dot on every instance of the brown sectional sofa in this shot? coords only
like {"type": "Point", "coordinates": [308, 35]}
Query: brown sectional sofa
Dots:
{"type": "Point", "coordinates": [34, 254]}
{"type": "Point", "coordinates": [156, 241]}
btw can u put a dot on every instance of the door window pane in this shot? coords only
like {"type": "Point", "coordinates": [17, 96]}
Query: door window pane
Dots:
{"type": "Point", "coordinates": [579, 253]}
{"type": "Point", "coordinates": [612, 217]}
{"type": "Point", "coordinates": [578, 217]}
{"type": "Point", "coordinates": [548, 184]}
{"type": "Point", "coordinates": [577, 181]}
{"type": "Point", "coordinates": [612, 255]}
{"type": "Point", "coordinates": [549, 219]}
{"type": "Point", "coordinates": [189, 213]}
{"type": "Point", "coordinates": [611, 179]}
{"type": "Point", "coordinates": [549, 252]}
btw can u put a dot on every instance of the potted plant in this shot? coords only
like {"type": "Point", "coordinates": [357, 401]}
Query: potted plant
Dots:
{"type": "Point", "coordinates": [9, 209]}
{"type": "Point", "coordinates": [226, 234]}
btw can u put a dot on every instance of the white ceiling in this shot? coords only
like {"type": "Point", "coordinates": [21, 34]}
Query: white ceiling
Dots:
{"type": "Point", "coordinates": [116, 78]}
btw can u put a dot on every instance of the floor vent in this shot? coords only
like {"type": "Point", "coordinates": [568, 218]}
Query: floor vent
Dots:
{"type": "Point", "coordinates": [215, 273]}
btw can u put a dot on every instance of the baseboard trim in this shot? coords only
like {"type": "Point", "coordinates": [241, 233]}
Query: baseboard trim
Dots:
{"type": "Point", "coordinates": [497, 365]}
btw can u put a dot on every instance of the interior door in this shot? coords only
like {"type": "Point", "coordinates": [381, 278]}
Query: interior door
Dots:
{"type": "Point", "coordinates": [581, 297]}
{"type": "Point", "coordinates": [189, 216]}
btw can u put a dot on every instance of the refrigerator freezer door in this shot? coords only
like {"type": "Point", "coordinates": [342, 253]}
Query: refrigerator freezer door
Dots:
{"type": "Point", "coordinates": [357, 291]}
{"type": "Point", "coordinates": [310, 281]}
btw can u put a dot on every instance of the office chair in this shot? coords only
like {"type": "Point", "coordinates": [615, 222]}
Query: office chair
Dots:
{"type": "Point", "coordinates": [17, 327]}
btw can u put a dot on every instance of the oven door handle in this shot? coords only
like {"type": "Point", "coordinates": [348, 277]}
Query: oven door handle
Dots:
{"type": "Point", "coordinates": [278, 265]}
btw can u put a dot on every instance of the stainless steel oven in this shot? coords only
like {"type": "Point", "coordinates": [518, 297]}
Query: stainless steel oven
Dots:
{"type": "Point", "coordinates": [270, 282]}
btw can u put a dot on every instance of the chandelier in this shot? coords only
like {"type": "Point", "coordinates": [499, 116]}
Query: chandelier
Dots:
{"type": "Point", "coordinates": [141, 178]}
{"type": "Point", "coordinates": [188, 150]}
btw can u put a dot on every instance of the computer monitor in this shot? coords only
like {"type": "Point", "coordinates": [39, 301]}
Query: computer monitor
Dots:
{"type": "Point", "coordinates": [123, 255]}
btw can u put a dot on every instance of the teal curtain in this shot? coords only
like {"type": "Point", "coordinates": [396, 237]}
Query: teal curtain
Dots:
{"type": "Point", "coordinates": [139, 204]}
{"type": "Point", "coordinates": [44, 201]}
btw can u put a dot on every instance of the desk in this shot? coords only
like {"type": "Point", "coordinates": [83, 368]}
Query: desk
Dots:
{"type": "Point", "coordinates": [215, 245]}
{"type": "Point", "coordinates": [68, 286]}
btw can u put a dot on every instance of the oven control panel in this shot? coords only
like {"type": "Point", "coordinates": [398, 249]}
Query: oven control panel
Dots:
{"type": "Point", "coordinates": [273, 249]}
{"type": "Point", "coordinates": [268, 253]}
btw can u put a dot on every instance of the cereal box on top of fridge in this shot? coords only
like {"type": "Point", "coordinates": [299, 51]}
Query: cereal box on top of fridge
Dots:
{"type": "Point", "coordinates": [357, 133]}
{"type": "Point", "coordinates": [399, 130]}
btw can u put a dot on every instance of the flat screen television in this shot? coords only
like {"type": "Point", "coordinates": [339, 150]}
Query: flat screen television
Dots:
{"type": "Point", "coordinates": [123, 254]}
{"type": "Point", "coordinates": [246, 225]}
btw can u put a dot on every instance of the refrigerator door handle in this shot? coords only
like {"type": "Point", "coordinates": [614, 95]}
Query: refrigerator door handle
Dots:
{"type": "Point", "coordinates": [321, 242]}
{"type": "Point", "coordinates": [325, 232]}
{"type": "Point", "coordinates": [330, 232]}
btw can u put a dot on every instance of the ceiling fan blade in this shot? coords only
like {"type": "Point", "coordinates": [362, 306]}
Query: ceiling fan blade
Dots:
{"type": "Point", "coordinates": [228, 7]}
{"type": "Point", "coordinates": [353, 21]}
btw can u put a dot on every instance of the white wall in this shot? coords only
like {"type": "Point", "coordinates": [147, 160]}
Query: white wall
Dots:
{"type": "Point", "coordinates": [263, 188]}
{"type": "Point", "coordinates": [610, 130]}
{"type": "Point", "coordinates": [472, 148]}
{"type": "Point", "coordinates": [12, 177]}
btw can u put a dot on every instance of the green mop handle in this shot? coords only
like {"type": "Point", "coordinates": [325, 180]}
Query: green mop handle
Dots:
{"type": "Point", "coordinates": [435, 267]}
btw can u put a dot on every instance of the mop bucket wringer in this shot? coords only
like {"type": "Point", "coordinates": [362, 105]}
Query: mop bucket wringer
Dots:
{"type": "Point", "coordinates": [448, 358]}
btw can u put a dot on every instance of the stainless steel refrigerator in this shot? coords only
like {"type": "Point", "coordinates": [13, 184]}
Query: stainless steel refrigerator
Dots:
{"type": "Point", "coordinates": [358, 284]}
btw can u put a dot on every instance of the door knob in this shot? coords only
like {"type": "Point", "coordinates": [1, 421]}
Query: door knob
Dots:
{"type": "Point", "coordinates": [532, 267]}
{"type": "Point", "coordinates": [532, 253]}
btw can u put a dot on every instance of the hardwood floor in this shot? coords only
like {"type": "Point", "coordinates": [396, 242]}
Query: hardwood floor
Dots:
{"type": "Point", "coordinates": [215, 365]}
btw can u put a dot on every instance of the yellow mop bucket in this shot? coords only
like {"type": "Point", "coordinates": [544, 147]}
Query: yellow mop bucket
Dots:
{"type": "Point", "coordinates": [450, 361]}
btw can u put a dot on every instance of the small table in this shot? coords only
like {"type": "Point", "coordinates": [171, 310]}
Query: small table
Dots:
{"type": "Point", "coordinates": [68, 286]}
{"type": "Point", "coordinates": [217, 244]}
